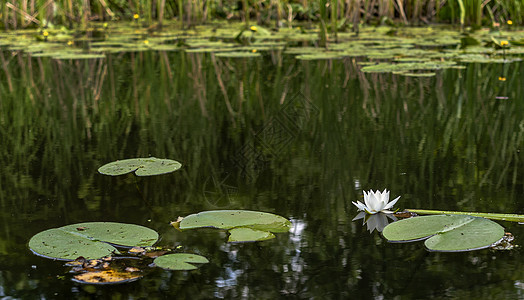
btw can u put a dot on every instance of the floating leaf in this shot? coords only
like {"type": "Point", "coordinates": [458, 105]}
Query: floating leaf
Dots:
{"type": "Point", "coordinates": [179, 261]}
{"type": "Point", "coordinates": [107, 277]}
{"type": "Point", "coordinates": [320, 55]}
{"type": "Point", "coordinates": [244, 234]}
{"type": "Point", "coordinates": [58, 244]}
{"type": "Point", "coordinates": [411, 74]}
{"type": "Point", "coordinates": [90, 240]}
{"type": "Point", "coordinates": [141, 166]}
{"type": "Point", "coordinates": [238, 54]}
{"type": "Point", "coordinates": [227, 219]}
{"type": "Point", "coordinates": [450, 233]}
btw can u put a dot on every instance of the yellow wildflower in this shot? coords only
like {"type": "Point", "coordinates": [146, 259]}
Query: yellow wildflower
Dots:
{"type": "Point", "coordinates": [146, 42]}
{"type": "Point", "coordinates": [504, 43]}
{"type": "Point", "coordinates": [510, 22]}
{"type": "Point", "coordinates": [501, 78]}
{"type": "Point", "coordinates": [253, 28]}
{"type": "Point", "coordinates": [254, 50]}
{"type": "Point", "coordinates": [45, 33]}
{"type": "Point", "coordinates": [136, 16]}
{"type": "Point", "coordinates": [70, 43]}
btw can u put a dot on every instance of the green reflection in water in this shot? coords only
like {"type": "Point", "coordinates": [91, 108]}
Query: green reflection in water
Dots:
{"type": "Point", "coordinates": [275, 134]}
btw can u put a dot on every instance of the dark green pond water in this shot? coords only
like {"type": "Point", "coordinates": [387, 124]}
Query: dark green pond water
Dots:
{"type": "Point", "coordinates": [301, 139]}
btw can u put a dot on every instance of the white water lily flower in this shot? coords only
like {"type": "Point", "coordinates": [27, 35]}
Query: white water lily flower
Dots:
{"type": "Point", "coordinates": [376, 202]}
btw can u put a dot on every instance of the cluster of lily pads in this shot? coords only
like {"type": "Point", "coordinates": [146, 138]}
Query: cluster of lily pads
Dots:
{"type": "Point", "coordinates": [444, 231]}
{"type": "Point", "coordinates": [408, 51]}
{"type": "Point", "coordinates": [107, 252]}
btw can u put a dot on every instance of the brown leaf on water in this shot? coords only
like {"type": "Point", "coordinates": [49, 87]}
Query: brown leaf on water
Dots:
{"type": "Point", "coordinates": [137, 250]}
{"type": "Point", "coordinates": [154, 254]}
{"type": "Point", "coordinates": [131, 269]}
{"type": "Point", "coordinates": [92, 263]}
{"type": "Point", "coordinates": [176, 223]}
{"type": "Point", "coordinates": [79, 261]}
{"type": "Point", "coordinates": [106, 277]}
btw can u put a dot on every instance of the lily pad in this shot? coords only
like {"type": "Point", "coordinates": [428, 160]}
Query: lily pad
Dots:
{"type": "Point", "coordinates": [446, 233]}
{"type": "Point", "coordinates": [321, 55]}
{"type": "Point", "coordinates": [141, 166]}
{"type": "Point", "coordinates": [228, 219]}
{"type": "Point", "coordinates": [244, 234]}
{"type": "Point", "coordinates": [238, 54]}
{"type": "Point", "coordinates": [179, 261]}
{"type": "Point", "coordinates": [90, 240]}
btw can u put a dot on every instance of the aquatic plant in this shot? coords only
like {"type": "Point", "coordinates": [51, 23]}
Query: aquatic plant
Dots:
{"type": "Point", "coordinates": [376, 202]}
{"type": "Point", "coordinates": [149, 166]}
{"type": "Point", "coordinates": [242, 225]}
{"type": "Point", "coordinates": [446, 233]}
{"type": "Point", "coordinates": [95, 250]}
{"type": "Point", "coordinates": [333, 14]}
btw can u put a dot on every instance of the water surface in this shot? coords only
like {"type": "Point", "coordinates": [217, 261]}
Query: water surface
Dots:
{"type": "Point", "coordinates": [301, 139]}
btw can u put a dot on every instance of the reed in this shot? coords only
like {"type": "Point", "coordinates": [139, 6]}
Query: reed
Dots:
{"type": "Point", "coordinates": [22, 14]}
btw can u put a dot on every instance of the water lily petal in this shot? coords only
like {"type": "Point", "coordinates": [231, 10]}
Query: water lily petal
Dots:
{"type": "Point", "coordinates": [373, 202]}
{"type": "Point", "coordinates": [385, 197]}
{"type": "Point", "coordinates": [390, 204]}
{"type": "Point", "coordinates": [359, 205]}
{"type": "Point", "coordinates": [366, 197]}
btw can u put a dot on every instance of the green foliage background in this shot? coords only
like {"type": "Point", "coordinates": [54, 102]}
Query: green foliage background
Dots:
{"type": "Point", "coordinates": [333, 13]}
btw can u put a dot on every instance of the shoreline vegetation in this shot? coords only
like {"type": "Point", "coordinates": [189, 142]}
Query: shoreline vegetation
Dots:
{"type": "Point", "coordinates": [331, 15]}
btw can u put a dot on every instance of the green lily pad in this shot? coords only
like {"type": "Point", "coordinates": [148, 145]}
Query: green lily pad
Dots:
{"type": "Point", "coordinates": [411, 74]}
{"type": "Point", "coordinates": [63, 56]}
{"type": "Point", "coordinates": [446, 233]}
{"type": "Point", "coordinates": [238, 54]}
{"type": "Point", "coordinates": [320, 55]}
{"type": "Point", "coordinates": [228, 219]}
{"type": "Point", "coordinates": [179, 261]}
{"type": "Point", "coordinates": [141, 166]}
{"type": "Point", "coordinates": [244, 234]}
{"type": "Point", "coordinates": [90, 240]}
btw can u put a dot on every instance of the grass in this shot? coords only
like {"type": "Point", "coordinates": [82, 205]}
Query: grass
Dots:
{"type": "Point", "coordinates": [336, 14]}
